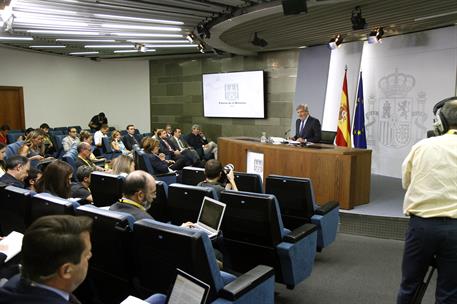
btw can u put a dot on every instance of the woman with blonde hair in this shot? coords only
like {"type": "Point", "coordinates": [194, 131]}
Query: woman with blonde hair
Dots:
{"type": "Point", "coordinates": [117, 145]}
{"type": "Point", "coordinates": [122, 165]}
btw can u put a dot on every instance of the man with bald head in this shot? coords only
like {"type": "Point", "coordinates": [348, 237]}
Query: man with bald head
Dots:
{"type": "Point", "coordinates": [308, 128]}
{"type": "Point", "coordinates": [84, 151]}
{"type": "Point", "coordinates": [138, 194]}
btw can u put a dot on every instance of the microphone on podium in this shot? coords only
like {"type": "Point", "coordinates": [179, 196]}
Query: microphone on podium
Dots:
{"type": "Point", "coordinates": [285, 133]}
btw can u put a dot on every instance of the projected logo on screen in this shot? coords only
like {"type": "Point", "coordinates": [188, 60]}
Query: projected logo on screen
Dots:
{"type": "Point", "coordinates": [231, 91]}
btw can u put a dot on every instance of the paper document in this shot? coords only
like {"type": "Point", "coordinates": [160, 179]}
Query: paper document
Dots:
{"type": "Point", "coordinates": [133, 300]}
{"type": "Point", "coordinates": [13, 242]}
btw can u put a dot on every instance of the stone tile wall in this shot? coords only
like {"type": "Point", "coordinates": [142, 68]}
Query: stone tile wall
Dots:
{"type": "Point", "coordinates": [176, 93]}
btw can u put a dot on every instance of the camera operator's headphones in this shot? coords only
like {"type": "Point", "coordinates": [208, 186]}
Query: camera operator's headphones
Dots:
{"type": "Point", "coordinates": [440, 124]}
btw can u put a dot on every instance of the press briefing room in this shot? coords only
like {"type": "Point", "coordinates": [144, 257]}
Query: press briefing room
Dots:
{"type": "Point", "coordinates": [228, 151]}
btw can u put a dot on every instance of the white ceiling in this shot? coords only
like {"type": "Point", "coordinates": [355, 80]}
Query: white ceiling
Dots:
{"type": "Point", "coordinates": [124, 25]}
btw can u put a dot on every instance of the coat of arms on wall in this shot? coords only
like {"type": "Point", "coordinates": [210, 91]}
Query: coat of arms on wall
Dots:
{"type": "Point", "coordinates": [395, 119]}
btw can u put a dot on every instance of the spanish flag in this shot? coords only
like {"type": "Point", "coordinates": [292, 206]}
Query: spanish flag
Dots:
{"type": "Point", "coordinates": [343, 132]}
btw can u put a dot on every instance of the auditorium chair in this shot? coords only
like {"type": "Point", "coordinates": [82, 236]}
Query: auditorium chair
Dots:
{"type": "Point", "coordinates": [62, 130]}
{"type": "Point", "coordinates": [301, 207]}
{"type": "Point", "coordinates": [59, 147]}
{"type": "Point", "coordinates": [47, 204]}
{"type": "Point", "coordinates": [14, 209]}
{"type": "Point", "coordinates": [185, 201]}
{"type": "Point", "coordinates": [58, 132]}
{"type": "Point", "coordinates": [254, 234]}
{"type": "Point", "coordinates": [169, 247]}
{"type": "Point", "coordinates": [70, 158]}
{"type": "Point", "coordinates": [192, 175]}
{"type": "Point", "coordinates": [106, 188]}
{"type": "Point", "coordinates": [12, 136]}
{"type": "Point", "coordinates": [109, 273]}
{"type": "Point", "coordinates": [249, 182]}
{"type": "Point", "coordinates": [327, 137]}
{"type": "Point", "coordinates": [159, 208]}
{"type": "Point", "coordinates": [12, 149]}
{"type": "Point", "coordinates": [145, 165]}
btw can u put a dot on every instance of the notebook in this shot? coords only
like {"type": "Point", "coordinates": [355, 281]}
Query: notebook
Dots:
{"type": "Point", "coordinates": [210, 217]}
{"type": "Point", "coordinates": [187, 289]}
{"type": "Point", "coordinates": [13, 244]}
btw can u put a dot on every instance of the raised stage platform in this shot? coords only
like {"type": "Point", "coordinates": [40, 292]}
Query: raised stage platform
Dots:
{"type": "Point", "coordinates": [383, 216]}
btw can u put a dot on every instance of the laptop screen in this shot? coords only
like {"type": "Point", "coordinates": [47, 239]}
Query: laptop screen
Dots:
{"type": "Point", "coordinates": [211, 213]}
{"type": "Point", "coordinates": [187, 289]}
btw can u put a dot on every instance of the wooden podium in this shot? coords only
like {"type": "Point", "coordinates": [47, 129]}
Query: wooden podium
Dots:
{"type": "Point", "coordinates": [341, 174]}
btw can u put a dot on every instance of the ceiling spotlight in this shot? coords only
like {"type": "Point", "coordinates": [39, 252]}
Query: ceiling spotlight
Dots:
{"type": "Point", "coordinates": [335, 42]}
{"type": "Point", "coordinates": [140, 47]}
{"type": "Point", "coordinates": [375, 36]}
{"type": "Point", "coordinates": [190, 37]}
{"type": "Point", "coordinates": [358, 22]}
{"type": "Point", "coordinates": [257, 41]}
{"type": "Point", "coordinates": [203, 31]}
{"type": "Point", "coordinates": [201, 48]}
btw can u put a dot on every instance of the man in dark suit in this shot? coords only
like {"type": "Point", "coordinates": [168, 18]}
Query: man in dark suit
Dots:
{"type": "Point", "coordinates": [308, 128]}
{"type": "Point", "coordinates": [55, 256]}
{"type": "Point", "coordinates": [178, 143]}
{"type": "Point", "coordinates": [17, 169]}
{"type": "Point", "coordinates": [129, 139]}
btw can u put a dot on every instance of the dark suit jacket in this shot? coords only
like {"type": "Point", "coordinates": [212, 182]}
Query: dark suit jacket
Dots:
{"type": "Point", "coordinates": [137, 213]}
{"type": "Point", "coordinates": [129, 141]}
{"type": "Point", "coordinates": [311, 132]}
{"type": "Point", "coordinates": [159, 166]}
{"type": "Point", "coordinates": [165, 150]}
{"type": "Point", "coordinates": [18, 291]}
{"type": "Point", "coordinates": [174, 143]}
{"type": "Point", "coordinates": [11, 181]}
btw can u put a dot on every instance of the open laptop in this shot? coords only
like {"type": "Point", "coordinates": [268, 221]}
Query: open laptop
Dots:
{"type": "Point", "coordinates": [210, 217]}
{"type": "Point", "coordinates": [187, 289]}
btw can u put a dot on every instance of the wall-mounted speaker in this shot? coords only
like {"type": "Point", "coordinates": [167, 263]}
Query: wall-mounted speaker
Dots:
{"type": "Point", "coordinates": [294, 7]}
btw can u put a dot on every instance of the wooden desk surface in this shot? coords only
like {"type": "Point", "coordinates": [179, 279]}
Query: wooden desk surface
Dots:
{"type": "Point", "coordinates": [337, 173]}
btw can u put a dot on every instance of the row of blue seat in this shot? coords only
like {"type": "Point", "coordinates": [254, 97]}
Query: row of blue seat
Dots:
{"type": "Point", "coordinates": [124, 263]}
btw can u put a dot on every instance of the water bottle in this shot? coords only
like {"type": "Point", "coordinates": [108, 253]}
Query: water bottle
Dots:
{"type": "Point", "coordinates": [263, 138]}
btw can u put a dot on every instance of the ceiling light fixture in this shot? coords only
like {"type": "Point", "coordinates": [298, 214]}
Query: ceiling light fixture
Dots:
{"type": "Point", "coordinates": [257, 41]}
{"type": "Point", "coordinates": [190, 37]}
{"type": "Point", "coordinates": [139, 19]}
{"type": "Point", "coordinates": [147, 35]}
{"type": "Point", "coordinates": [109, 46]}
{"type": "Point", "coordinates": [85, 40]}
{"type": "Point", "coordinates": [435, 16]}
{"type": "Point", "coordinates": [375, 36]}
{"type": "Point", "coordinates": [158, 41]}
{"type": "Point", "coordinates": [39, 9]}
{"type": "Point", "coordinates": [358, 22]}
{"type": "Point", "coordinates": [83, 53]}
{"type": "Point", "coordinates": [125, 51]}
{"type": "Point", "coordinates": [336, 42]}
{"type": "Point", "coordinates": [26, 20]}
{"type": "Point", "coordinates": [170, 45]}
{"type": "Point", "coordinates": [142, 27]}
{"type": "Point", "coordinates": [47, 46]}
{"type": "Point", "coordinates": [16, 38]}
{"type": "Point", "coordinates": [201, 48]}
{"type": "Point", "coordinates": [63, 32]}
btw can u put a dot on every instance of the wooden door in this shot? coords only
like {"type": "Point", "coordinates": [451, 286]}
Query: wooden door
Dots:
{"type": "Point", "coordinates": [12, 107]}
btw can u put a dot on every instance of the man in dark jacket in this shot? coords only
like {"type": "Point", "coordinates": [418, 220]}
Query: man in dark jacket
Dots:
{"type": "Point", "coordinates": [55, 255]}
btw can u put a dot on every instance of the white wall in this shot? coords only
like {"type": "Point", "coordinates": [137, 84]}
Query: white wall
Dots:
{"type": "Point", "coordinates": [64, 91]}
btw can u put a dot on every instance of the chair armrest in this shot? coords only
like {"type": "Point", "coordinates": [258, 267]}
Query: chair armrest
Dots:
{"type": "Point", "coordinates": [299, 233]}
{"type": "Point", "coordinates": [246, 282]}
{"type": "Point", "coordinates": [165, 174]}
{"type": "Point", "coordinates": [327, 207]}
